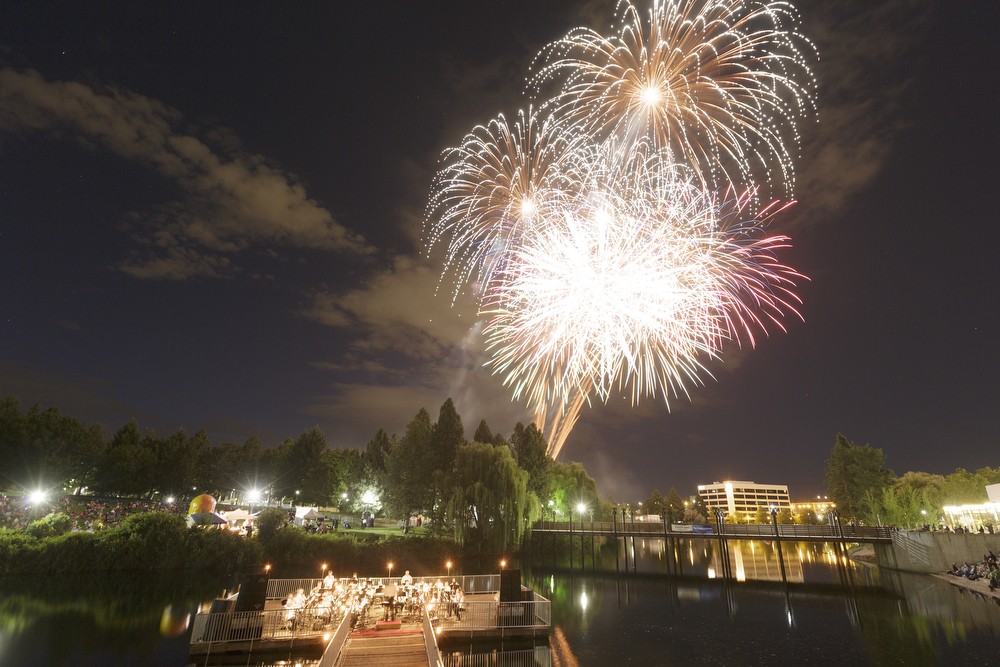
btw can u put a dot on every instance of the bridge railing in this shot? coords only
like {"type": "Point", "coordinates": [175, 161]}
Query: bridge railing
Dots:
{"type": "Point", "coordinates": [762, 530]}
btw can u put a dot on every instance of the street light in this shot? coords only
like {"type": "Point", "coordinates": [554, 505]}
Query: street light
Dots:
{"type": "Point", "coordinates": [448, 566]}
{"type": "Point", "coordinates": [323, 570]}
{"type": "Point", "coordinates": [389, 566]}
{"type": "Point", "coordinates": [503, 564]}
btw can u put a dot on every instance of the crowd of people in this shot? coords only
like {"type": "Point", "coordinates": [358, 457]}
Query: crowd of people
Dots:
{"type": "Point", "coordinates": [988, 568]}
{"type": "Point", "coordinates": [331, 598]}
{"type": "Point", "coordinates": [85, 513]}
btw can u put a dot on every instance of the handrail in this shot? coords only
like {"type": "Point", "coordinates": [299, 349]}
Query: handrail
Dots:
{"type": "Point", "coordinates": [278, 589]}
{"type": "Point", "coordinates": [658, 529]}
{"type": "Point", "coordinates": [430, 641]}
{"type": "Point", "coordinates": [337, 643]}
{"type": "Point", "coordinates": [209, 628]}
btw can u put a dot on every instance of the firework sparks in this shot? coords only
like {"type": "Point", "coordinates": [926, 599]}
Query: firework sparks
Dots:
{"type": "Point", "coordinates": [492, 189]}
{"type": "Point", "coordinates": [602, 257]}
{"type": "Point", "coordinates": [630, 292]}
{"type": "Point", "coordinates": [720, 84]}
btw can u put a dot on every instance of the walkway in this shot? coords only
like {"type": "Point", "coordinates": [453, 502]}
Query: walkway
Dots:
{"type": "Point", "coordinates": [400, 648]}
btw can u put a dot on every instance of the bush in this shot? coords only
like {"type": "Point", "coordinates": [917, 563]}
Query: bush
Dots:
{"type": "Point", "coordinates": [52, 525]}
{"type": "Point", "coordinates": [269, 522]}
{"type": "Point", "coordinates": [144, 542]}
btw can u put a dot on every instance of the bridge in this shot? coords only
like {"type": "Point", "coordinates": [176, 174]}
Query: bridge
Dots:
{"type": "Point", "coordinates": [751, 531]}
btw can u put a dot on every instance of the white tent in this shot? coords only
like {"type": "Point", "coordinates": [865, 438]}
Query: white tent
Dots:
{"type": "Point", "coordinates": [236, 517]}
{"type": "Point", "coordinates": [306, 514]}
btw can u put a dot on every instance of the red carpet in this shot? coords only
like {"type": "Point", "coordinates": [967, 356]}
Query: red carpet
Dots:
{"type": "Point", "coordinates": [367, 633]}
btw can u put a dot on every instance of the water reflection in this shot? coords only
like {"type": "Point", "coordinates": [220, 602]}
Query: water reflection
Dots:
{"type": "Point", "coordinates": [136, 619]}
{"type": "Point", "coordinates": [746, 602]}
{"type": "Point", "coordinates": [652, 602]}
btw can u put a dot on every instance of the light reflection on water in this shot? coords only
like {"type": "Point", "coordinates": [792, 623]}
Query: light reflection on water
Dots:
{"type": "Point", "coordinates": [670, 604]}
{"type": "Point", "coordinates": [667, 604]}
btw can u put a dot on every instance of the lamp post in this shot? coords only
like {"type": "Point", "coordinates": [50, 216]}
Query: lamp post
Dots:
{"type": "Point", "coordinates": [253, 496]}
{"type": "Point", "coordinates": [570, 508]}
{"type": "Point", "coordinates": [447, 566]}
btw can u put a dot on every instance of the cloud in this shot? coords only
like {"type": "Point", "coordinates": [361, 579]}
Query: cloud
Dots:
{"type": "Point", "coordinates": [409, 348]}
{"type": "Point", "coordinates": [399, 309]}
{"type": "Point", "coordinates": [232, 200]}
{"type": "Point", "coordinates": [861, 97]}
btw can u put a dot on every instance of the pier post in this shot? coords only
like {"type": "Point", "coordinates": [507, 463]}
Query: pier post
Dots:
{"type": "Point", "coordinates": [777, 542]}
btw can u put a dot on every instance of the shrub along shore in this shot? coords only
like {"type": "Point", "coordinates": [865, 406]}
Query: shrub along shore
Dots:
{"type": "Point", "coordinates": [158, 541]}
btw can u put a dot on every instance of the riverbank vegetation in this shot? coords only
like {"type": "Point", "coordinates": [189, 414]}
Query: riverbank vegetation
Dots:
{"type": "Point", "coordinates": [483, 493]}
{"type": "Point", "coordinates": [142, 543]}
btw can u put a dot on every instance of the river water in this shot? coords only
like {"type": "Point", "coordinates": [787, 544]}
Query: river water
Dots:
{"type": "Point", "coordinates": [663, 604]}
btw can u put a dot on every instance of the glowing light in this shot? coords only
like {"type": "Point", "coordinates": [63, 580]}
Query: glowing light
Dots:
{"type": "Point", "coordinates": [720, 84]}
{"type": "Point", "coordinates": [37, 497]}
{"type": "Point", "coordinates": [613, 235]}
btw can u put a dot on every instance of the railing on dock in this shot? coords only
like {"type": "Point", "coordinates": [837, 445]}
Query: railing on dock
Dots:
{"type": "Point", "coordinates": [211, 628]}
{"type": "Point", "coordinates": [476, 615]}
{"type": "Point", "coordinates": [278, 589]}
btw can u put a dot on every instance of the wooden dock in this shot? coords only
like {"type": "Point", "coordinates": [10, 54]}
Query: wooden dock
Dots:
{"type": "Point", "coordinates": [400, 648]}
{"type": "Point", "coordinates": [359, 637]}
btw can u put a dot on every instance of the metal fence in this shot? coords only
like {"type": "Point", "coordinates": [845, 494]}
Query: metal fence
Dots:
{"type": "Point", "coordinates": [763, 530]}
{"type": "Point", "coordinates": [540, 656]}
{"type": "Point", "coordinates": [489, 615]}
{"type": "Point", "coordinates": [278, 589]}
{"type": "Point", "coordinates": [254, 625]}
{"type": "Point", "coordinates": [333, 650]}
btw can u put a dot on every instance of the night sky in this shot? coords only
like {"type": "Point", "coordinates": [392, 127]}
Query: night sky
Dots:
{"type": "Point", "coordinates": [210, 217]}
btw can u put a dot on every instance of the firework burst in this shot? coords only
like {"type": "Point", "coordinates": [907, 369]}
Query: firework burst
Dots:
{"type": "Point", "coordinates": [720, 84]}
{"type": "Point", "coordinates": [615, 239]}
{"type": "Point", "coordinates": [631, 292]}
{"type": "Point", "coordinates": [492, 188]}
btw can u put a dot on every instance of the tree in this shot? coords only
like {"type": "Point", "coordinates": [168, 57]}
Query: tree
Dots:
{"type": "Point", "coordinates": [446, 437]}
{"type": "Point", "coordinates": [409, 468]}
{"type": "Point", "coordinates": [489, 503]}
{"type": "Point", "coordinates": [655, 503]}
{"type": "Point", "coordinates": [852, 471]}
{"type": "Point", "coordinates": [483, 433]}
{"type": "Point", "coordinates": [530, 448]}
{"type": "Point", "coordinates": [128, 464]}
{"type": "Point", "coordinates": [376, 453]}
{"type": "Point", "coordinates": [926, 486]}
{"type": "Point", "coordinates": [46, 448]}
{"type": "Point", "coordinates": [963, 488]}
{"type": "Point", "coordinates": [673, 503]}
{"type": "Point", "coordinates": [763, 515]}
{"type": "Point", "coordinates": [572, 485]}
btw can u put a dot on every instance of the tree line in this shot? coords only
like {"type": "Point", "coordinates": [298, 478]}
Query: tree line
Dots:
{"type": "Point", "coordinates": [485, 491]}
{"type": "Point", "coordinates": [865, 490]}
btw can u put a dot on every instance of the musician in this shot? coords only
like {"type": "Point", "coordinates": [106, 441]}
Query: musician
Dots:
{"type": "Point", "coordinates": [389, 604]}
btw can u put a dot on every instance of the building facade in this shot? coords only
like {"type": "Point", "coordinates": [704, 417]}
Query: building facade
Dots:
{"type": "Point", "coordinates": [742, 499]}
